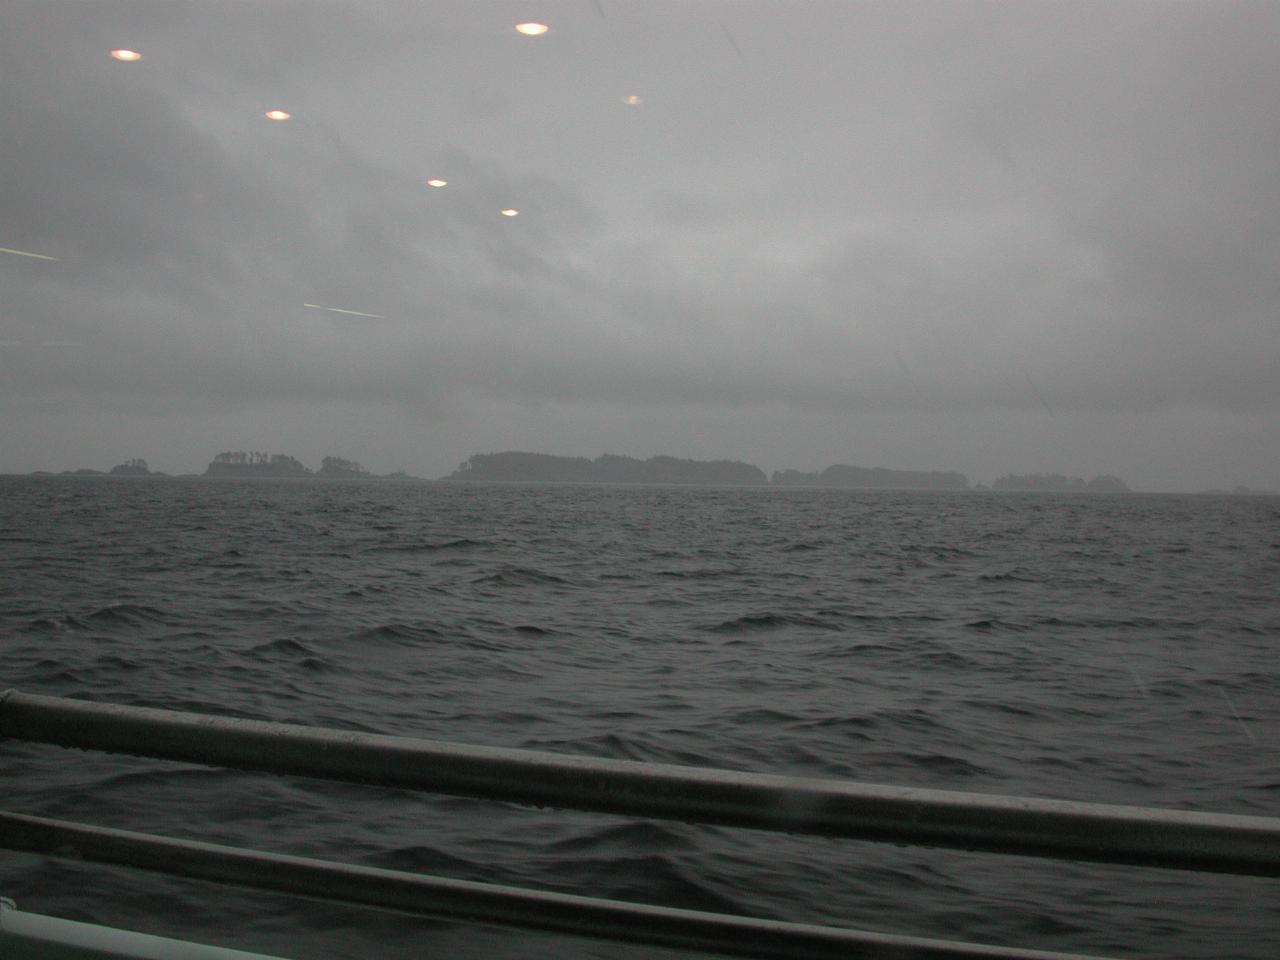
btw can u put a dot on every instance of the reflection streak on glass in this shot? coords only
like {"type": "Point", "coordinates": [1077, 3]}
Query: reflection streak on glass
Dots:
{"type": "Point", "coordinates": [26, 253]}
{"type": "Point", "coordinates": [350, 313]}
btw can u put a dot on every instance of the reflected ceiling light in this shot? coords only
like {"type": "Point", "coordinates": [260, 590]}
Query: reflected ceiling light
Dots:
{"type": "Point", "coordinates": [277, 115]}
{"type": "Point", "coordinates": [437, 182]}
{"type": "Point", "coordinates": [126, 55]}
{"type": "Point", "coordinates": [631, 100]}
{"type": "Point", "coordinates": [510, 212]}
{"type": "Point", "coordinates": [532, 29]}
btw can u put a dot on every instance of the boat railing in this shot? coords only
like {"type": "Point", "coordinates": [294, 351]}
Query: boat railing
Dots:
{"type": "Point", "coordinates": [1071, 830]}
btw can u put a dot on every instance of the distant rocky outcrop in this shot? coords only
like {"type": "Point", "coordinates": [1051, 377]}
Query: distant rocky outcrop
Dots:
{"type": "Point", "coordinates": [874, 478]}
{"type": "Point", "coordinates": [131, 468]}
{"type": "Point", "coordinates": [542, 467]}
{"type": "Point", "coordinates": [1057, 483]}
{"type": "Point", "coordinates": [241, 464]}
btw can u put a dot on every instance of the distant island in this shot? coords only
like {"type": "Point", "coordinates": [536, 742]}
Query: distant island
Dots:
{"type": "Point", "coordinates": [546, 468]}
{"type": "Point", "coordinates": [875, 478]}
{"type": "Point", "coordinates": [1057, 483]}
{"type": "Point", "coordinates": [241, 463]}
{"type": "Point", "coordinates": [521, 467]}
{"type": "Point", "coordinates": [1240, 490]}
{"type": "Point", "coordinates": [131, 468]}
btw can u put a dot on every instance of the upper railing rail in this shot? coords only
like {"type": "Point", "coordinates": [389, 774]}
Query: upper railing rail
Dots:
{"type": "Point", "coordinates": [1187, 840]}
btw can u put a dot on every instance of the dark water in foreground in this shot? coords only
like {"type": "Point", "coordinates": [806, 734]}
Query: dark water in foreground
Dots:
{"type": "Point", "coordinates": [1119, 649]}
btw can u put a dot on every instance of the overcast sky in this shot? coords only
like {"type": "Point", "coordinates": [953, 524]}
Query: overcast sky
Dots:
{"type": "Point", "coordinates": [986, 237]}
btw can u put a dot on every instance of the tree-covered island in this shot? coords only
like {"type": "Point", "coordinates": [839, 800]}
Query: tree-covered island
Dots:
{"type": "Point", "coordinates": [241, 463]}
{"type": "Point", "coordinates": [546, 468]}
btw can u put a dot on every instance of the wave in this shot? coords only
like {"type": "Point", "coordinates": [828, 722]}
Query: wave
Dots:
{"type": "Point", "coordinates": [1011, 576]}
{"type": "Point", "coordinates": [128, 614]}
{"type": "Point", "coordinates": [1003, 707]}
{"type": "Point", "coordinates": [286, 646]}
{"type": "Point", "coordinates": [804, 546]}
{"type": "Point", "coordinates": [54, 625]}
{"type": "Point", "coordinates": [623, 838]}
{"type": "Point", "coordinates": [761, 716]}
{"type": "Point", "coordinates": [517, 576]}
{"type": "Point", "coordinates": [700, 573]}
{"type": "Point", "coordinates": [894, 617]}
{"type": "Point", "coordinates": [754, 622]}
{"type": "Point", "coordinates": [153, 778]}
{"type": "Point", "coordinates": [462, 543]}
{"type": "Point", "coordinates": [939, 764]}
{"type": "Point", "coordinates": [993, 624]}
{"type": "Point", "coordinates": [421, 858]}
{"type": "Point", "coordinates": [640, 875]}
{"type": "Point", "coordinates": [398, 633]}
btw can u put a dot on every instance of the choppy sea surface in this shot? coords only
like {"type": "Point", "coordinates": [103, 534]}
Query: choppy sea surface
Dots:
{"type": "Point", "coordinates": [1107, 648]}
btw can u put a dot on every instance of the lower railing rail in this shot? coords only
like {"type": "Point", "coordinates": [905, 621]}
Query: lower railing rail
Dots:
{"type": "Point", "coordinates": [440, 897]}
{"type": "Point", "coordinates": [1048, 828]}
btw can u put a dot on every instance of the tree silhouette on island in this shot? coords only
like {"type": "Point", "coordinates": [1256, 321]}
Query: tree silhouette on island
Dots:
{"type": "Point", "coordinates": [521, 467]}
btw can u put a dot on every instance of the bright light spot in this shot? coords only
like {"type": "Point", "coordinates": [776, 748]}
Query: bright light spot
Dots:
{"type": "Point", "coordinates": [437, 182]}
{"type": "Point", "coordinates": [349, 313]}
{"type": "Point", "coordinates": [126, 55]}
{"type": "Point", "coordinates": [632, 100]}
{"type": "Point", "coordinates": [277, 115]}
{"type": "Point", "coordinates": [532, 29]}
{"type": "Point", "coordinates": [24, 253]}
{"type": "Point", "coordinates": [511, 212]}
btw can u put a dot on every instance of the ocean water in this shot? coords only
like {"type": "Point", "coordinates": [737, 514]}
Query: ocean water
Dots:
{"type": "Point", "coordinates": [1108, 648]}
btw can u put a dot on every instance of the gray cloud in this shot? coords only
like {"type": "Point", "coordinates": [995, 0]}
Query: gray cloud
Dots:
{"type": "Point", "coordinates": [882, 210]}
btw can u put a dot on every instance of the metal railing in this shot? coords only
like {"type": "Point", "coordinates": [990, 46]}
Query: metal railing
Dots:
{"type": "Point", "coordinates": [1046, 828]}
{"type": "Point", "coordinates": [33, 936]}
